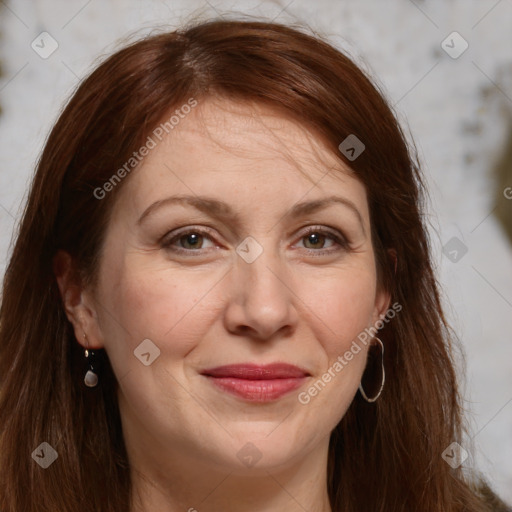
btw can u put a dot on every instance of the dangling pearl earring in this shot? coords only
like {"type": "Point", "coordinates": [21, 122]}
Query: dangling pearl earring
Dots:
{"type": "Point", "coordinates": [91, 377]}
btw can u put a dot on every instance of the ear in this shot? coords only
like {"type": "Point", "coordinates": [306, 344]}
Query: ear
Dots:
{"type": "Point", "coordinates": [383, 297]}
{"type": "Point", "coordinates": [382, 302]}
{"type": "Point", "coordinates": [78, 302]}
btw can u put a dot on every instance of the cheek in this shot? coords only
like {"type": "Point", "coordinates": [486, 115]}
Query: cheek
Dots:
{"type": "Point", "coordinates": [344, 306]}
{"type": "Point", "coordinates": [155, 303]}
{"type": "Point", "coordinates": [159, 305]}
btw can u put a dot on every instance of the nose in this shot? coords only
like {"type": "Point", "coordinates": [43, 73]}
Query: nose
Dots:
{"type": "Point", "coordinates": [262, 302]}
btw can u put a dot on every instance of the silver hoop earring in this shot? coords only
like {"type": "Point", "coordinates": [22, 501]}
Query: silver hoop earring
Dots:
{"type": "Point", "coordinates": [383, 378]}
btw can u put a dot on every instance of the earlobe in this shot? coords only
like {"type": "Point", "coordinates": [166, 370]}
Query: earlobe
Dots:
{"type": "Point", "coordinates": [75, 301]}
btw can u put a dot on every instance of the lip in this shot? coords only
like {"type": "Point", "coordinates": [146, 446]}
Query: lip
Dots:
{"type": "Point", "coordinates": [257, 383]}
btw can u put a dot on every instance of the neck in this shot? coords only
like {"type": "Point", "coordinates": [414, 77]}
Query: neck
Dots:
{"type": "Point", "coordinates": [182, 482]}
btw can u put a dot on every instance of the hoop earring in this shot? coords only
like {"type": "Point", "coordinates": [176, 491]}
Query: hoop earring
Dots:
{"type": "Point", "coordinates": [91, 376]}
{"type": "Point", "coordinates": [383, 379]}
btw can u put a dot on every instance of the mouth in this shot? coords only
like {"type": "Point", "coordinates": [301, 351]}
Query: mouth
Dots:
{"type": "Point", "coordinates": [257, 383]}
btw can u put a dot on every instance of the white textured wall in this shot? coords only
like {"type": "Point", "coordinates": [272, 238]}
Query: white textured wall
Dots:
{"type": "Point", "coordinates": [459, 111]}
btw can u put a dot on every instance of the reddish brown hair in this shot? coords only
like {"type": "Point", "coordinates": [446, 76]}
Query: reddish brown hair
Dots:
{"type": "Point", "coordinates": [389, 452]}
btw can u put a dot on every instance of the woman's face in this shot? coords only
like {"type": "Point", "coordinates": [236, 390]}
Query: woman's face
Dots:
{"type": "Point", "coordinates": [230, 276]}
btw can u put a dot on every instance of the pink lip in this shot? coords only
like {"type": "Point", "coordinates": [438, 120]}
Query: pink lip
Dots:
{"type": "Point", "coordinates": [257, 383]}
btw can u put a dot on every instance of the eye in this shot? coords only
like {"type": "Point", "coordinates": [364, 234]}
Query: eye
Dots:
{"type": "Point", "coordinates": [316, 237]}
{"type": "Point", "coordinates": [189, 241]}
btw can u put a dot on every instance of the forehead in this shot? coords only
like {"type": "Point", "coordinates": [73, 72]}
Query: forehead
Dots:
{"type": "Point", "coordinates": [235, 148]}
{"type": "Point", "coordinates": [249, 131]}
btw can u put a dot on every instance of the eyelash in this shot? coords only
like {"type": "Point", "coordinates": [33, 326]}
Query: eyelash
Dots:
{"type": "Point", "coordinates": [339, 239]}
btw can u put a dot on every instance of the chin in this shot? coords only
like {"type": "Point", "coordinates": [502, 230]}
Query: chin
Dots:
{"type": "Point", "coordinates": [260, 450]}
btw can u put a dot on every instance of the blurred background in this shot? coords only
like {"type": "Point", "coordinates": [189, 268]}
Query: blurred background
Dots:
{"type": "Point", "coordinates": [445, 67]}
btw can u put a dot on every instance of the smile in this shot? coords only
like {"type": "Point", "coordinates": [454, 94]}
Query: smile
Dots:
{"type": "Point", "coordinates": [257, 383]}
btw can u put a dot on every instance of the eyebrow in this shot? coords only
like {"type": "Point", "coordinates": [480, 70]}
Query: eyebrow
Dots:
{"type": "Point", "coordinates": [224, 211]}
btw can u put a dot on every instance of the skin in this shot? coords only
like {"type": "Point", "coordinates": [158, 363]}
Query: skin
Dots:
{"type": "Point", "coordinates": [208, 307]}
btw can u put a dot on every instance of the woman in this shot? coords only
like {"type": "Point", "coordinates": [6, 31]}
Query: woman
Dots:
{"type": "Point", "coordinates": [221, 295]}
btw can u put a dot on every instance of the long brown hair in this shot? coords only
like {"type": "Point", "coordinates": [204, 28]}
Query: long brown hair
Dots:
{"type": "Point", "coordinates": [384, 456]}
